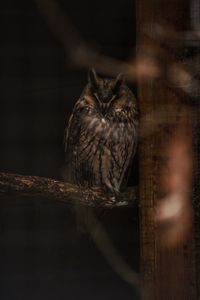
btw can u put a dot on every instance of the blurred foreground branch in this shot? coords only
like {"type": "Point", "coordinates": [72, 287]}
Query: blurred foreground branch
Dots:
{"type": "Point", "coordinates": [165, 41]}
{"type": "Point", "coordinates": [63, 191]}
{"type": "Point", "coordinates": [80, 52]}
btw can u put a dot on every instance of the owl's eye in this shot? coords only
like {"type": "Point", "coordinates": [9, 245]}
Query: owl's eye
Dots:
{"type": "Point", "coordinates": [113, 98]}
{"type": "Point", "coordinates": [97, 97]}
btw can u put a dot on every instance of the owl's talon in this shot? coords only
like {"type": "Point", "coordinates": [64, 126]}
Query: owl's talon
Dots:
{"type": "Point", "coordinates": [112, 199]}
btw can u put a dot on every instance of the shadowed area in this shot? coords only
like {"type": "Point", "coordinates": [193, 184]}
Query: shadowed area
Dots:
{"type": "Point", "coordinates": [42, 254]}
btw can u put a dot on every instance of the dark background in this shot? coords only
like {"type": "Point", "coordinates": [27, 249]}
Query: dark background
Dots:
{"type": "Point", "coordinates": [42, 254]}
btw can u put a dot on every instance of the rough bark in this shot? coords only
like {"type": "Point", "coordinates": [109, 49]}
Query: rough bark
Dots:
{"type": "Point", "coordinates": [63, 191]}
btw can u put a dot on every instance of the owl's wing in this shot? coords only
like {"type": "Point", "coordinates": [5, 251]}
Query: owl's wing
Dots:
{"type": "Point", "coordinates": [72, 130]}
{"type": "Point", "coordinates": [71, 141]}
{"type": "Point", "coordinates": [127, 150]}
{"type": "Point", "coordinates": [124, 180]}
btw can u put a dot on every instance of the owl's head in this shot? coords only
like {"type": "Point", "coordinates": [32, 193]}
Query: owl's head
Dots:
{"type": "Point", "coordinates": [105, 92]}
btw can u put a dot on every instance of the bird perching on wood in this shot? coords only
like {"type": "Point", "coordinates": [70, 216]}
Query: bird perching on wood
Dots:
{"type": "Point", "coordinates": [101, 136]}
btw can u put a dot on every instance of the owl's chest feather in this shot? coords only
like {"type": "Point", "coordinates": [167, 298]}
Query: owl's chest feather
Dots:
{"type": "Point", "coordinates": [104, 150]}
{"type": "Point", "coordinates": [106, 128]}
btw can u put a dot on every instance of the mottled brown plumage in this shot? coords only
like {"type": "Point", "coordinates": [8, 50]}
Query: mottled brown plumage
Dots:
{"type": "Point", "coordinates": [101, 135]}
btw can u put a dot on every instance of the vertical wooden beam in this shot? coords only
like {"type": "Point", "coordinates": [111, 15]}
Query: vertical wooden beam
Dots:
{"type": "Point", "coordinates": [167, 274]}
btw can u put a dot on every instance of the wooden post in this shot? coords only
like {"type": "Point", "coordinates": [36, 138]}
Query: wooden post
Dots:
{"type": "Point", "coordinates": [167, 273]}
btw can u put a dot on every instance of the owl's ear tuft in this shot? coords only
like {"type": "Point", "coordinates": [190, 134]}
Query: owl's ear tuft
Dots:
{"type": "Point", "coordinates": [118, 82]}
{"type": "Point", "coordinates": [93, 78]}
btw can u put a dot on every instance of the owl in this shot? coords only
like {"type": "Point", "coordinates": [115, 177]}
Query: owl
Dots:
{"type": "Point", "coordinates": [101, 136]}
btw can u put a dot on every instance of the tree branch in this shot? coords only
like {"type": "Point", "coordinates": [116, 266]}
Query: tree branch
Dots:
{"type": "Point", "coordinates": [64, 191]}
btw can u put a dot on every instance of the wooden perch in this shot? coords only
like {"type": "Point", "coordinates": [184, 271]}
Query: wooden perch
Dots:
{"type": "Point", "coordinates": [63, 191]}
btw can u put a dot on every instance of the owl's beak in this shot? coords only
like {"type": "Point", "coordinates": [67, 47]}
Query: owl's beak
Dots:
{"type": "Point", "coordinates": [104, 107]}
